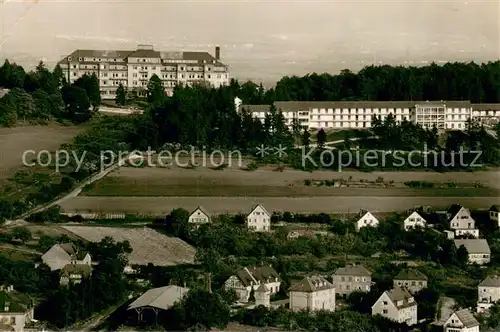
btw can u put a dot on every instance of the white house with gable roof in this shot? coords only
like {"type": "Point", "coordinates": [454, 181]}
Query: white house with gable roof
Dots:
{"type": "Point", "coordinates": [259, 220]}
{"type": "Point", "coordinates": [367, 220]}
{"type": "Point", "coordinates": [461, 221]}
{"type": "Point", "coordinates": [461, 321]}
{"type": "Point", "coordinates": [488, 292]}
{"type": "Point", "coordinates": [199, 216]}
{"type": "Point", "coordinates": [398, 305]}
{"type": "Point", "coordinates": [414, 220]}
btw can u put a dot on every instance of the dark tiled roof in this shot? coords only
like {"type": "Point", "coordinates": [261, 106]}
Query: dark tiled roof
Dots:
{"type": "Point", "coordinates": [311, 284]}
{"type": "Point", "coordinates": [144, 54]}
{"type": "Point", "coordinates": [453, 210]}
{"type": "Point", "coordinates": [82, 269]}
{"type": "Point", "coordinates": [495, 208]}
{"type": "Point", "coordinates": [486, 107]}
{"type": "Point", "coordinates": [262, 207]}
{"type": "Point", "coordinates": [467, 318]}
{"type": "Point", "coordinates": [111, 54]}
{"type": "Point", "coordinates": [197, 56]}
{"type": "Point", "coordinates": [353, 270]}
{"type": "Point", "coordinates": [305, 105]}
{"type": "Point", "coordinates": [201, 209]}
{"type": "Point", "coordinates": [261, 274]}
{"type": "Point", "coordinates": [400, 294]}
{"type": "Point", "coordinates": [491, 281]}
{"type": "Point", "coordinates": [410, 274]}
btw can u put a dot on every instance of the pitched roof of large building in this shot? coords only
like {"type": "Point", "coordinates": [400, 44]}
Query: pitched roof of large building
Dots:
{"type": "Point", "coordinates": [81, 269]}
{"type": "Point", "coordinates": [410, 274]}
{"type": "Point", "coordinates": [199, 56]}
{"type": "Point", "coordinates": [353, 270]}
{"type": "Point", "coordinates": [311, 284]}
{"type": "Point", "coordinates": [486, 107]}
{"type": "Point", "coordinates": [466, 318]}
{"type": "Point", "coordinates": [400, 294]}
{"type": "Point", "coordinates": [161, 298]}
{"type": "Point", "coordinates": [491, 281]}
{"type": "Point", "coordinates": [474, 246]}
{"type": "Point", "coordinates": [306, 105]}
{"type": "Point", "coordinates": [255, 275]}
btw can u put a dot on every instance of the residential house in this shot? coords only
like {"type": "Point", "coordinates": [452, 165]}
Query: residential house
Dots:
{"type": "Point", "coordinates": [488, 292]}
{"type": "Point", "coordinates": [152, 304]}
{"type": "Point", "coordinates": [366, 219]}
{"type": "Point", "coordinates": [60, 255]}
{"type": "Point", "coordinates": [259, 220]}
{"type": "Point", "coordinates": [312, 293]}
{"type": "Point", "coordinates": [414, 220]}
{"type": "Point", "coordinates": [352, 278]}
{"type": "Point", "coordinates": [199, 216]}
{"type": "Point", "coordinates": [74, 273]}
{"type": "Point", "coordinates": [16, 309]}
{"type": "Point", "coordinates": [248, 279]}
{"type": "Point", "coordinates": [398, 305]}
{"type": "Point", "coordinates": [461, 321]}
{"type": "Point", "coordinates": [461, 222]}
{"type": "Point", "coordinates": [413, 280]}
{"type": "Point", "coordinates": [478, 249]}
{"type": "Point", "coordinates": [493, 212]}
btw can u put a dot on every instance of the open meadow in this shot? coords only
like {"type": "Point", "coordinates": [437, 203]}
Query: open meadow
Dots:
{"type": "Point", "coordinates": [14, 141]}
{"type": "Point", "coordinates": [149, 246]}
{"type": "Point", "coordinates": [266, 182]}
{"type": "Point", "coordinates": [157, 206]}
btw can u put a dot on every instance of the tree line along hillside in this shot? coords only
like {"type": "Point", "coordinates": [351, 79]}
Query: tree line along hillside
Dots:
{"type": "Point", "coordinates": [41, 95]}
{"type": "Point", "coordinates": [479, 83]}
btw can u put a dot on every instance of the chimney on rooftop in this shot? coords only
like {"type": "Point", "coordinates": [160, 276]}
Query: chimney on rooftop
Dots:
{"type": "Point", "coordinates": [217, 53]}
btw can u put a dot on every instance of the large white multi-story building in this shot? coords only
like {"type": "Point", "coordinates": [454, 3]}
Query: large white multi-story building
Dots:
{"type": "Point", "coordinates": [133, 69]}
{"type": "Point", "coordinates": [444, 115]}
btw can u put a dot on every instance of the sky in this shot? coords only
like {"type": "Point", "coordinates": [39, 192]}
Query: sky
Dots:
{"type": "Point", "coordinates": [259, 40]}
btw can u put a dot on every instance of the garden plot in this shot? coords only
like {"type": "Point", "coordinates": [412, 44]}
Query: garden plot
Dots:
{"type": "Point", "coordinates": [148, 245]}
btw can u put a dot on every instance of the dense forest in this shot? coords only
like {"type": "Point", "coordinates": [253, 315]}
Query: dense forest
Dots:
{"type": "Point", "coordinates": [452, 81]}
{"type": "Point", "coordinates": [41, 96]}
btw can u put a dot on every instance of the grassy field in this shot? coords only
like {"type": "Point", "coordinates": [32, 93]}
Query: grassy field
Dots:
{"type": "Point", "coordinates": [156, 206]}
{"type": "Point", "coordinates": [14, 141]}
{"type": "Point", "coordinates": [148, 245]}
{"type": "Point", "coordinates": [233, 182]}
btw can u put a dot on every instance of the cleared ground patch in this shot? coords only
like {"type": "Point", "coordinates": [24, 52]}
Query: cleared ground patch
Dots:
{"type": "Point", "coordinates": [156, 206]}
{"type": "Point", "coordinates": [14, 141]}
{"type": "Point", "coordinates": [231, 182]}
{"type": "Point", "coordinates": [148, 245]}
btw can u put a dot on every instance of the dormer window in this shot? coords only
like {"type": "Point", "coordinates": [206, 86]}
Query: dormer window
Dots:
{"type": "Point", "coordinates": [69, 58]}
{"type": "Point", "coordinates": [80, 59]}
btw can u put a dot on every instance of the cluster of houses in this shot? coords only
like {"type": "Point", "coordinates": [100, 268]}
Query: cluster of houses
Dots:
{"type": "Point", "coordinates": [462, 227]}
{"type": "Point", "coordinates": [73, 264]}
{"type": "Point", "coordinates": [256, 286]}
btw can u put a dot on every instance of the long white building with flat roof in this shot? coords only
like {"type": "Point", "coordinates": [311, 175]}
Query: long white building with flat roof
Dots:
{"type": "Point", "coordinates": [133, 69]}
{"type": "Point", "coordinates": [445, 115]}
